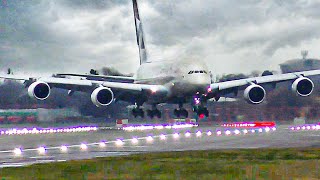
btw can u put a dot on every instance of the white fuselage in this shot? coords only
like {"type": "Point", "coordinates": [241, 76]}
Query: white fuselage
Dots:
{"type": "Point", "coordinates": [183, 79]}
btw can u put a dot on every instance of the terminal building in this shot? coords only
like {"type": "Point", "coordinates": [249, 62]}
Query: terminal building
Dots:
{"type": "Point", "coordinates": [303, 64]}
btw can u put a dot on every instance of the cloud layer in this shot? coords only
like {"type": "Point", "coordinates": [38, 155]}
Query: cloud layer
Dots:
{"type": "Point", "coordinates": [43, 36]}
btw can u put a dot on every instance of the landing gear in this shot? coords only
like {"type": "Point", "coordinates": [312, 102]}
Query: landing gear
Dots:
{"type": "Point", "coordinates": [136, 112]}
{"type": "Point", "coordinates": [181, 112]}
{"type": "Point", "coordinates": [153, 113]}
{"type": "Point", "coordinates": [201, 111]}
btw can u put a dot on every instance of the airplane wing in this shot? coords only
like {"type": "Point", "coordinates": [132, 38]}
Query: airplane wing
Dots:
{"type": "Point", "coordinates": [301, 84]}
{"type": "Point", "coordinates": [40, 88]}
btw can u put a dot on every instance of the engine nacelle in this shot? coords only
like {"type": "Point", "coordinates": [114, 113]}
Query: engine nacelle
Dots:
{"type": "Point", "coordinates": [303, 86]}
{"type": "Point", "coordinates": [39, 90]}
{"type": "Point", "coordinates": [254, 94]}
{"type": "Point", "coordinates": [102, 96]}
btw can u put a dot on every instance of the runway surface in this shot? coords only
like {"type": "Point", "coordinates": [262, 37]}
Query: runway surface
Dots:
{"type": "Point", "coordinates": [21, 150]}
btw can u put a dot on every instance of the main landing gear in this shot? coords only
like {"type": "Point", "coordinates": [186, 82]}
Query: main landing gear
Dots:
{"type": "Point", "coordinates": [136, 112]}
{"type": "Point", "coordinates": [181, 112]}
{"type": "Point", "coordinates": [154, 112]}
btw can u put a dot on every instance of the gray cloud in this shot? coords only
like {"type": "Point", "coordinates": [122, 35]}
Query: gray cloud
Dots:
{"type": "Point", "coordinates": [45, 36]}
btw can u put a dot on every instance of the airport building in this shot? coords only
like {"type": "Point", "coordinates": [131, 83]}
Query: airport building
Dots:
{"type": "Point", "coordinates": [303, 64]}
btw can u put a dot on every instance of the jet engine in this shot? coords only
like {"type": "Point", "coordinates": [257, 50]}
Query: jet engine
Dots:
{"type": "Point", "coordinates": [39, 90]}
{"type": "Point", "coordinates": [303, 86]}
{"type": "Point", "coordinates": [254, 94]}
{"type": "Point", "coordinates": [102, 96]}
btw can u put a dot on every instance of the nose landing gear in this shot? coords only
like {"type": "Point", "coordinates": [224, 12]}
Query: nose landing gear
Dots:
{"type": "Point", "coordinates": [201, 111]}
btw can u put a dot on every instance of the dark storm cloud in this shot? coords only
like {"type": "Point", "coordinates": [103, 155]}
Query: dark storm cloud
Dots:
{"type": "Point", "coordinates": [46, 36]}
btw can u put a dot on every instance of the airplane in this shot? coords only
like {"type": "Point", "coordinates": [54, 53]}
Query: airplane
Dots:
{"type": "Point", "coordinates": [156, 82]}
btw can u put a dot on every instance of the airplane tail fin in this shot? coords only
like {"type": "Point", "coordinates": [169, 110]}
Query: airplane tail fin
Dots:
{"type": "Point", "coordinates": [139, 33]}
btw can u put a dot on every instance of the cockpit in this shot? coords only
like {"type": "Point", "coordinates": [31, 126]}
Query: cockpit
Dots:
{"type": "Point", "coordinates": [198, 72]}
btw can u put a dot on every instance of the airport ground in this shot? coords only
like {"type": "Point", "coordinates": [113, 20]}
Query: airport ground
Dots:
{"type": "Point", "coordinates": [129, 144]}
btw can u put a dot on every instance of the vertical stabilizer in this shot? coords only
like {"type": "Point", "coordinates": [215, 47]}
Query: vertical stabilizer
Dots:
{"type": "Point", "coordinates": [139, 33]}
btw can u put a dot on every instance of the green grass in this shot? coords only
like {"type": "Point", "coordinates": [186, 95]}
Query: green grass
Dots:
{"type": "Point", "coordinates": [222, 164]}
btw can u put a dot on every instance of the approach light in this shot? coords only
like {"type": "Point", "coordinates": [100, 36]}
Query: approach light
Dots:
{"type": "Point", "coordinates": [198, 133]}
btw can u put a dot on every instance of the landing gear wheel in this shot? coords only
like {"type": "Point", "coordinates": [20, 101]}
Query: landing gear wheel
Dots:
{"type": "Point", "coordinates": [138, 112]}
{"type": "Point", "coordinates": [157, 113]}
{"type": "Point", "coordinates": [184, 113]}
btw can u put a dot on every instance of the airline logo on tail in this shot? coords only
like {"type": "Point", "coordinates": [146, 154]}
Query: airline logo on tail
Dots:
{"type": "Point", "coordinates": [139, 33]}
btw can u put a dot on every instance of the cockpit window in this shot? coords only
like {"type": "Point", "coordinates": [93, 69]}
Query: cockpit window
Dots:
{"type": "Point", "coordinates": [196, 71]}
{"type": "Point", "coordinates": [201, 72]}
{"type": "Point", "coordinates": [205, 72]}
{"type": "Point", "coordinates": [191, 72]}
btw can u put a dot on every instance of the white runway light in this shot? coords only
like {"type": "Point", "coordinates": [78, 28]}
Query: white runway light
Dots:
{"type": "Point", "coordinates": [253, 131]}
{"type": "Point", "coordinates": [228, 132]}
{"type": "Point", "coordinates": [245, 131]}
{"type": "Point", "coordinates": [83, 147]}
{"type": "Point", "coordinates": [219, 133]}
{"type": "Point", "coordinates": [209, 133]}
{"type": "Point", "coordinates": [260, 130]}
{"type": "Point", "coordinates": [267, 129]}
{"type": "Point", "coordinates": [17, 152]}
{"type": "Point", "coordinates": [187, 134]}
{"type": "Point", "coordinates": [42, 150]}
{"type": "Point", "coordinates": [175, 135]}
{"type": "Point", "coordinates": [134, 141]}
{"type": "Point", "coordinates": [198, 133]}
{"type": "Point", "coordinates": [102, 144]}
{"type": "Point", "coordinates": [149, 139]}
{"type": "Point", "coordinates": [162, 137]}
{"type": "Point", "coordinates": [236, 132]}
{"type": "Point", "coordinates": [63, 148]}
{"type": "Point", "coordinates": [119, 142]}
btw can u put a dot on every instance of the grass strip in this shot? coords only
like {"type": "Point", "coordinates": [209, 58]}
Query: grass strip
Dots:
{"type": "Point", "coordinates": [210, 164]}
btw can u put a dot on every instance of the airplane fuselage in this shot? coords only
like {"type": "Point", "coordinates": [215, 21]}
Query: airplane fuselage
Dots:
{"type": "Point", "coordinates": [183, 79]}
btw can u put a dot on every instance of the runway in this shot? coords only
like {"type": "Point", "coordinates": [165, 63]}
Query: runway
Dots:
{"type": "Point", "coordinates": [21, 150]}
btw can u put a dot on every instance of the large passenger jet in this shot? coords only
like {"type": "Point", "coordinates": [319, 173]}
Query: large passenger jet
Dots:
{"type": "Point", "coordinates": [177, 82]}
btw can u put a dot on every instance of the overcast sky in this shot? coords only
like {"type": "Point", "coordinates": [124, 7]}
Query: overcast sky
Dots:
{"type": "Point", "coordinates": [45, 36]}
